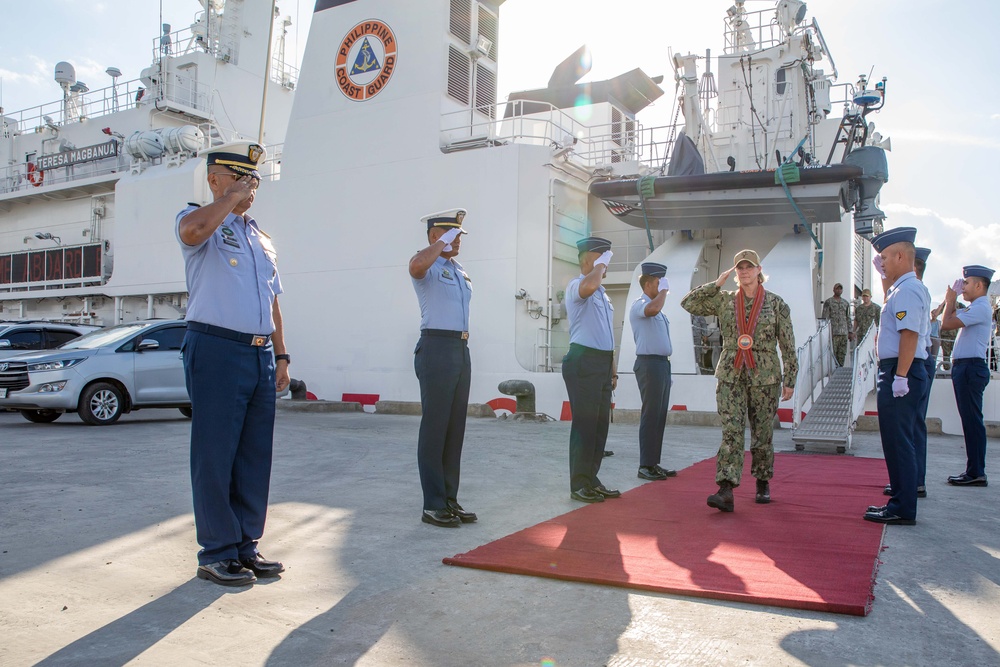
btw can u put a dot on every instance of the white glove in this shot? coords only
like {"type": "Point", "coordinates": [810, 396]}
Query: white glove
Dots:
{"type": "Point", "coordinates": [604, 259]}
{"type": "Point", "coordinates": [877, 262]}
{"type": "Point", "coordinates": [664, 284]}
{"type": "Point", "coordinates": [900, 386]}
{"type": "Point", "coordinates": [448, 237]}
{"type": "Point", "coordinates": [957, 286]}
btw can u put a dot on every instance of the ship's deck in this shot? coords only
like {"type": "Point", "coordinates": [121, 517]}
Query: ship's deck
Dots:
{"type": "Point", "coordinates": [98, 559]}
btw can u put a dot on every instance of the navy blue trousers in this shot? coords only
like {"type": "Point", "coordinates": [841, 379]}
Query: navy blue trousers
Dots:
{"type": "Point", "coordinates": [444, 370]}
{"type": "Point", "coordinates": [652, 373]}
{"type": "Point", "coordinates": [969, 378]}
{"type": "Point", "coordinates": [587, 373]}
{"type": "Point", "coordinates": [920, 426]}
{"type": "Point", "coordinates": [232, 392]}
{"type": "Point", "coordinates": [896, 420]}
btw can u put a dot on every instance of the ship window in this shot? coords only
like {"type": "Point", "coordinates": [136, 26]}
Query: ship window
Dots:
{"type": "Point", "coordinates": [461, 20]}
{"type": "Point", "coordinates": [459, 71]}
{"type": "Point", "coordinates": [488, 27]}
{"type": "Point", "coordinates": [486, 91]}
{"type": "Point", "coordinates": [780, 79]}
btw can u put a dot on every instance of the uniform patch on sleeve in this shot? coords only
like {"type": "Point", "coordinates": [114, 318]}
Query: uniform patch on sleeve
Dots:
{"type": "Point", "coordinates": [900, 315]}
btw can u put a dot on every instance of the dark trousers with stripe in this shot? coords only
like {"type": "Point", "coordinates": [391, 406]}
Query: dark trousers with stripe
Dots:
{"type": "Point", "coordinates": [232, 392]}
{"type": "Point", "coordinates": [969, 378]}
{"type": "Point", "coordinates": [652, 373]}
{"type": "Point", "coordinates": [444, 370]}
{"type": "Point", "coordinates": [587, 373]}
{"type": "Point", "coordinates": [896, 420]}
{"type": "Point", "coordinates": [920, 426]}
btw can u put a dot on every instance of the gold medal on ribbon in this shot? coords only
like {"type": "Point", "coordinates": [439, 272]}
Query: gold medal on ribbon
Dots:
{"type": "Point", "coordinates": [744, 342]}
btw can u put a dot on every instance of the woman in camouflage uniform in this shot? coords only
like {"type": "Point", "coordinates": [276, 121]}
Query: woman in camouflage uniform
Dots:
{"type": "Point", "coordinates": [754, 323]}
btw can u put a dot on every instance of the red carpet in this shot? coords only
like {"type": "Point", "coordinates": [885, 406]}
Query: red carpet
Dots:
{"type": "Point", "coordinates": [808, 549]}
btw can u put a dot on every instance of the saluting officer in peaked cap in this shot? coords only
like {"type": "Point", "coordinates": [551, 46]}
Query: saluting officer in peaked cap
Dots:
{"type": "Point", "coordinates": [969, 371]}
{"type": "Point", "coordinates": [894, 236]}
{"type": "Point", "coordinates": [234, 361]}
{"type": "Point", "coordinates": [651, 332]}
{"type": "Point", "coordinates": [443, 366]}
{"type": "Point", "coordinates": [593, 244]}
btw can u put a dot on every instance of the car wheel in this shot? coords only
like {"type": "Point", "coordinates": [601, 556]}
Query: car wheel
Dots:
{"type": "Point", "coordinates": [41, 416]}
{"type": "Point", "coordinates": [186, 412]}
{"type": "Point", "coordinates": [101, 403]}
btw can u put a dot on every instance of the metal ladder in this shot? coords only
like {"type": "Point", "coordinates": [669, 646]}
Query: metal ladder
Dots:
{"type": "Point", "coordinates": [828, 421]}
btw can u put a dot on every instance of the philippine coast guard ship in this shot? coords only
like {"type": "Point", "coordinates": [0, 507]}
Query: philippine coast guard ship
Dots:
{"type": "Point", "coordinates": [395, 115]}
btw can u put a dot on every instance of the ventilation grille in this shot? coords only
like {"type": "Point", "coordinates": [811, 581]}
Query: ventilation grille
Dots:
{"type": "Point", "coordinates": [461, 20]}
{"type": "Point", "coordinates": [489, 28]}
{"type": "Point", "coordinates": [486, 91]}
{"type": "Point", "coordinates": [459, 74]}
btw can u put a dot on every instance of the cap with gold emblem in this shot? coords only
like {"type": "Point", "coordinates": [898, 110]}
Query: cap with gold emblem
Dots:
{"type": "Point", "coordinates": [241, 157]}
{"type": "Point", "coordinates": [450, 219]}
{"type": "Point", "coordinates": [747, 256]}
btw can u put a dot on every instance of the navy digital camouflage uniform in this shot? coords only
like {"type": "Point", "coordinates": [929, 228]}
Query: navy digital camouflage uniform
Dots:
{"type": "Point", "coordinates": [838, 311]}
{"type": "Point", "coordinates": [866, 316]}
{"type": "Point", "coordinates": [748, 393]}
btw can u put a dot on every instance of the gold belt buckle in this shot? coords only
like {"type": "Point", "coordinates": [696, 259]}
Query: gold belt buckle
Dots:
{"type": "Point", "coordinates": [258, 341]}
{"type": "Point", "coordinates": [465, 335]}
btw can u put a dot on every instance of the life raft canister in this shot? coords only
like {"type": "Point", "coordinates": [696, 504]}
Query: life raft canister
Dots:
{"type": "Point", "coordinates": [35, 175]}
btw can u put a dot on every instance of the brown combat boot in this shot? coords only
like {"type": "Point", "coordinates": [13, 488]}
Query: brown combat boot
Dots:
{"type": "Point", "coordinates": [723, 500]}
{"type": "Point", "coordinates": [763, 492]}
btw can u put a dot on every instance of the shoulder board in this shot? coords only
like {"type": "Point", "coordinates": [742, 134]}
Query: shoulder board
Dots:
{"type": "Point", "coordinates": [263, 233]}
{"type": "Point", "coordinates": [191, 203]}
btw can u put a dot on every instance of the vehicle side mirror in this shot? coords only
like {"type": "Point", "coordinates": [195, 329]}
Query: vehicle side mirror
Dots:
{"type": "Point", "coordinates": [4, 344]}
{"type": "Point", "coordinates": [148, 345]}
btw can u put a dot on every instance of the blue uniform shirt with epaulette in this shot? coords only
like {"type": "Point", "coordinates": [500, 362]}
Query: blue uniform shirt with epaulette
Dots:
{"type": "Point", "coordinates": [232, 276]}
{"type": "Point", "coordinates": [652, 334]}
{"type": "Point", "coordinates": [973, 339]}
{"type": "Point", "coordinates": [924, 341]}
{"type": "Point", "coordinates": [905, 309]}
{"type": "Point", "coordinates": [444, 294]}
{"type": "Point", "coordinates": [590, 320]}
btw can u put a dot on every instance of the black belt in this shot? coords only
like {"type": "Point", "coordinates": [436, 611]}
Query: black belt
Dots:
{"type": "Point", "coordinates": [657, 357]}
{"type": "Point", "coordinates": [968, 360]}
{"type": "Point", "coordinates": [446, 333]}
{"type": "Point", "coordinates": [591, 350]}
{"type": "Point", "coordinates": [256, 340]}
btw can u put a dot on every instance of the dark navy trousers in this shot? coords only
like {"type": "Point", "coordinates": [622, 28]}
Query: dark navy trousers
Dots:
{"type": "Point", "coordinates": [232, 392]}
{"type": "Point", "coordinates": [896, 424]}
{"type": "Point", "coordinates": [920, 426]}
{"type": "Point", "coordinates": [969, 378]}
{"type": "Point", "coordinates": [587, 373]}
{"type": "Point", "coordinates": [444, 370]}
{"type": "Point", "coordinates": [652, 372]}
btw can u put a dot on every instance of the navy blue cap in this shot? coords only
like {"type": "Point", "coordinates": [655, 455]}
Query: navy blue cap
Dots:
{"type": "Point", "coordinates": [593, 244]}
{"type": "Point", "coordinates": [922, 254]}
{"type": "Point", "coordinates": [241, 157]}
{"type": "Point", "coordinates": [893, 236]}
{"type": "Point", "coordinates": [653, 269]}
{"type": "Point", "coordinates": [977, 271]}
{"type": "Point", "coordinates": [450, 219]}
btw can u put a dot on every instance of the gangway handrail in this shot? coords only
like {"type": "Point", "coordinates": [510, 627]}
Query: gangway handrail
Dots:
{"type": "Point", "coordinates": [817, 351]}
{"type": "Point", "coordinates": [864, 361]}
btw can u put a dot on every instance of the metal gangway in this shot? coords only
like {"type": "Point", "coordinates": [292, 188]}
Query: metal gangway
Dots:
{"type": "Point", "coordinates": [831, 396]}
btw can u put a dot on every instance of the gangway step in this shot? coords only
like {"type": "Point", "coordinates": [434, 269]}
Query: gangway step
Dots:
{"type": "Point", "coordinates": [828, 422]}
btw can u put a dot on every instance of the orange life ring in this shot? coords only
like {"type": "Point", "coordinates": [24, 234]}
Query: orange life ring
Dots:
{"type": "Point", "coordinates": [35, 175]}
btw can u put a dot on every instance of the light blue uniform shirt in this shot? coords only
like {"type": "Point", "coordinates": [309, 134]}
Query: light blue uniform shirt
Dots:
{"type": "Point", "coordinates": [651, 334]}
{"type": "Point", "coordinates": [444, 294]}
{"type": "Point", "coordinates": [906, 307]}
{"type": "Point", "coordinates": [232, 277]}
{"type": "Point", "coordinates": [925, 333]}
{"type": "Point", "coordinates": [974, 338]}
{"type": "Point", "coordinates": [590, 320]}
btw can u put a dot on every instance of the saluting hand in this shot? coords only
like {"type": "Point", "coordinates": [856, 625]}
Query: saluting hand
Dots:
{"type": "Point", "coordinates": [877, 263]}
{"type": "Point", "coordinates": [448, 237]}
{"type": "Point", "coordinates": [664, 285]}
{"type": "Point", "coordinates": [724, 276]}
{"type": "Point", "coordinates": [242, 187]}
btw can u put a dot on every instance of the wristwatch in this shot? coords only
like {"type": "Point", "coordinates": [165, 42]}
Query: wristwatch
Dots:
{"type": "Point", "coordinates": [287, 358]}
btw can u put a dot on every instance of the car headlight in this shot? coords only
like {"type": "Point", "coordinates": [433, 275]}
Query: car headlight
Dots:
{"type": "Point", "coordinates": [53, 365]}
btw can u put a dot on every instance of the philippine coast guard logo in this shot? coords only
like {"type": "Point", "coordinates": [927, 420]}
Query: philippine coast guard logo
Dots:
{"type": "Point", "coordinates": [366, 60]}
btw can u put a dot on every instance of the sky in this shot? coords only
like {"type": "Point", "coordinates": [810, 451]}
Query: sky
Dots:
{"type": "Point", "coordinates": [942, 108]}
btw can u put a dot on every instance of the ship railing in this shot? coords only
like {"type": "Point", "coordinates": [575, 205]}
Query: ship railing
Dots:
{"type": "Point", "coordinates": [864, 361]}
{"type": "Point", "coordinates": [816, 366]}
{"type": "Point", "coordinates": [78, 106]}
{"type": "Point", "coordinates": [593, 146]}
{"type": "Point", "coordinates": [16, 178]}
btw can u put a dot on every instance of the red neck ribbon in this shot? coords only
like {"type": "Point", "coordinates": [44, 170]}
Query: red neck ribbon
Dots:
{"type": "Point", "coordinates": [746, 324]}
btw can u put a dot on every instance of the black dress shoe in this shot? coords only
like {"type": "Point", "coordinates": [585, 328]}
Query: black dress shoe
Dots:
{"type": "Point", "coordinates": [957, 476]}
{"type": "Point", "coordinates": [885, 516]}
{"type": "Point", "coordinates": [587, 496]}
{"type": "Point", "coordinates": [262, 567]}
{"type": "Point", "coordinates": [921, 492]}
{"type": "Point", "coordinates": [606, 492]}
{"type": "Point", "coordinates": [887, 491]}
{"type": "Point", "coordinates": [442, 518]}
{"type": "Point", "coordinates": [966, 480]}
{"type": "Point", "coordinates": [226, 573]}
{"type": "Point", "coordinates": [650, 473]}
{"type": "Point", "coordinates": [459, 511]}
{"type": "Point", "coordinates": [608, 452]}
{"type": "Point", "coordinates": [666, 472]}
{"type": "Point", "coordinates": [875, 508]}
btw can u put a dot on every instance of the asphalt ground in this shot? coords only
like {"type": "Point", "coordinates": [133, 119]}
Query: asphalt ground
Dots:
{"type": "Point", "coordinates": [98, 559]}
